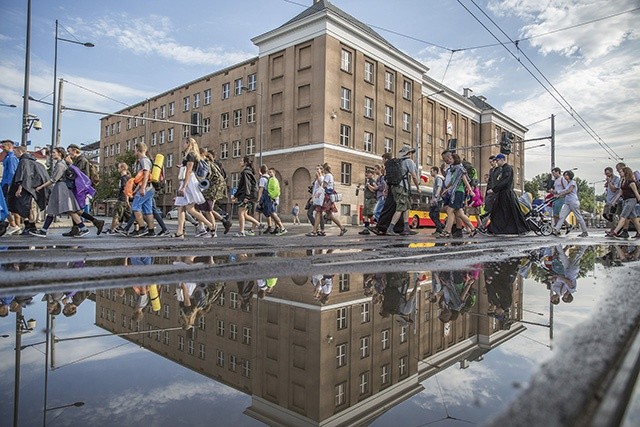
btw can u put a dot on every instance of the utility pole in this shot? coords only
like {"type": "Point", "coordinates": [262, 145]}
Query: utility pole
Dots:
{"type": "Point", "coordinates": [553, 141]}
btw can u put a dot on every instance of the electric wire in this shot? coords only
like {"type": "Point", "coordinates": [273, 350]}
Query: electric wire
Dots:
{"type": "Point", "coordinates": [95, 93]}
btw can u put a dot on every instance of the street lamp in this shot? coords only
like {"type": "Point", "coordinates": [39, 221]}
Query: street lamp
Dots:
{"type": "Point", "coordinates": [55, 131]}
{"type": "Point", "coordinates": [8, 105]}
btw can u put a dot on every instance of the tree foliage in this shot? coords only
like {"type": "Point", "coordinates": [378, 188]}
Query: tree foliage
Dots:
{"type": "Point", "coordinates": [109, 178]}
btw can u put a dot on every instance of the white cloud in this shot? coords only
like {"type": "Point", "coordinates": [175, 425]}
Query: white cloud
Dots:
{"type": "Point", "coordinates": [152, 35]}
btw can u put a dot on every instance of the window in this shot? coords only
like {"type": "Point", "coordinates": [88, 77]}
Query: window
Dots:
{"type": "Point", "coordinates": [224, 150]}
{"type": "Point", "coordinates": [220, 358]}
{"type": "Point", "coordinates": [161, 140]}
{"type": "Point", "coordinates": [246, 335]}
{"type": "Point", "coordinates": [226, 88]}
{"type": "Point", "coordinates": [128, 145]}
{"type": "Point", "coordinates": [233, 362]}
{"type": "Point", "coordinates": [388, 115]}
{"type": "Point", "coordinates": [441, 142]}
{"type": "Point", "coordinates": [389, 80]}
{"type": "Point", "coordinates": [154, 113]}
{"type": "Point", "coordinates": [246, 368]}
{"type": "Point", "coordinates": [180, 343]}
{"type": "Point", "coordinates": [170, 160]}
{"type": "Point", "coordinates": [168, 188]}
{"type": "Point", "coordinates": [185, 103]}
{"type": "Point", "coordinates": [250, 146]}
{"type": "Point", "coordinates": [343, 282]}
{"type": "Point", "coordinates": [163, 112]}
{"type": "Point", "coordinates": [345, 135]}
{"type": "Point", "coordinates": [196, 100]}
{"type": "Point", "coordinates": [251, 81]}
{"type": "Point", "coordinates": [118, 147]}
{"type": "Point", "coordinates": [224, 120]}
{"type": "Point", "coordinates": [107, 130]}
{"type": "Point", "coordinates": [237, 117]}
{"type": "Point", "coordinates": [202, 323]}
{"type": "Point", "coordinates": [233, 331]}
{"type": "Point", "coordinates": [365, 312]}
{"type": "Point", "coordinates": [190, 347]}
{"type": "Point", "coordinates": [251, 114]}
{"type": "Point", "coordinates": [129, 123]}
{"type": "Point", "coordinates": [235, 178]}
{"type": "Point", "coordinates": [403, 334]}
{"type": "Point", "coordinates": [341, 394]}
{"type": "Point", "coordinates": [345, 173]}
{"type": "Point", "coordinates": [406, 122]}
{"type": "Point", "coordinates": [220, 328]}
{"type": "Point", "coordinates": [345, 60]}
{"type": "Point", "coordinates": [368, 142]}
{"type": "Point", "coordinates": [237, 87]}
{"type": "Point", "coordinates": [402, 366]}
{"type": "Point", "coordinates": [172, 109]}
{"type": "Point", "coordinates": [368, 107]}
{"type": "Point", "coordinates": [341, 355]}
{"type": "Point", "coordinates": [165, 311]}
{"type": "Point", "coordinates": [206, 125]}
{"type": "Point", "coordinates": [384, 374]}
{"type": "Point", "coordinates": [345, 99]}
{"type": "Point", "coordinates": [201, 351]}
{"type": "Point", "coordinates": [365, 344]}
{"type": "Point", "coordinates": [186, 131]}
{"type": "Point", "coordinates": [364, 382]}
{"type": "Point", "coordinates": [118, 127]}
{"type": "Point", "coordinates": [341, 318]}
{"type": "Point", "coordinates": [369, 70]}
{"type": "Point", "coordinates": [166, 338]}
{"type": "Point", "coordinates": [429, 138]}
{"type": "Point", "coordinates": [237, 152]}
{"type": "Point", "coordinates": [207, 96]}
{"type": "Point", "coordinates": [385, 339]}
{"type": "Point", "coordinates": [221, 299]}
{"type": "Point", "coordinates": [154, 139]}
{"type": "Point", "coordinates": [407, 90]}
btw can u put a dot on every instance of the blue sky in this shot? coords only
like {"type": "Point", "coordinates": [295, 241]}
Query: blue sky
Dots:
{"type": "Point", "coordinates": [145, 47]}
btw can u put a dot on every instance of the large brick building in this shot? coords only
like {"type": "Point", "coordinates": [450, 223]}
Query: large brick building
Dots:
{"type": "Point", "coordinates": [324, 88]}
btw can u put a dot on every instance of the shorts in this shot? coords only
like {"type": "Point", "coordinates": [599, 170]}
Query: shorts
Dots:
{"type": "Point", "coordinates": [248, 205]}
{"type": "Point", "coordinates": [629, 208]}
{"type": "Point", "coordinates": [401, 197]}
{"type": "Point", "coordinates": [557, 205]}
{"type": "Point", "coordinates": [206, 206]}
{"type": "Point", "coordinates": [369, 207]}
{"type": "Point", "coordinates": [144, 203]}
{"type": "Point", "coordinates": [458, 200]}
{"type": "Point", "coordinates": [267, 207]}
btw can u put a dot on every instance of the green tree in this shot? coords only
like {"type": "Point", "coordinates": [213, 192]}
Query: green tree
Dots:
{"type": "Point", "coordinates": [109, 178]}
{"type": "Point", "coordinates": [537, 186]}
{"type": "Point", "coordinates": [585, 194]}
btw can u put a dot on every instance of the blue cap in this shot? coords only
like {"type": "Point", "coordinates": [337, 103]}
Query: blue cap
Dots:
{"type": "Point", "coordinates": [500, 156]}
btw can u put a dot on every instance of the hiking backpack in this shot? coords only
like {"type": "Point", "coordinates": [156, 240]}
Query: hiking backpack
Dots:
{"type": "Point", "coordinates": [273, 187]}
{"type": "Point", "coordinates": [472, 173]}
{"type": "Point", "coordinates": [393, 171]}
{"type": "Point", "coordinates": [202, 170]}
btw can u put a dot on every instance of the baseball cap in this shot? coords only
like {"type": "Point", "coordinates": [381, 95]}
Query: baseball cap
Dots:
{"type": "Point", "coordinates": [500, 156]}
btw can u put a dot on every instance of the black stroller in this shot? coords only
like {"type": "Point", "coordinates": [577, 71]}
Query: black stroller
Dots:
{"type": "Point", "coordinates": [535, 216]}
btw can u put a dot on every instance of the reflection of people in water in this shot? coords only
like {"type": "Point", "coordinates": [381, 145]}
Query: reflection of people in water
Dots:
{"type": "Point", "coordinates": [566, 269]}
{"type": "Point", "coordinates": [266, 286]}
{"type": "Point", "coordinates": [498, 279]}
{"type": "Point", "coordinates": [456, 293]}
{"type": "Point", "coordinates": [72, 301]}
{"type": "Point", "coordinates": [5, 305]}
{"type": "Point", "coordinates": [322, 287]}
{"type": "Point", "coordinates": [196, 299]}
{"type": "Point", "coordinates": [374, 285]}
{"type": "Point", "coordinates": [245, 290]}
{"type": "Point", "coordinates": [397, 300]}
{"type": "Point", "coordinates": [54, 302]}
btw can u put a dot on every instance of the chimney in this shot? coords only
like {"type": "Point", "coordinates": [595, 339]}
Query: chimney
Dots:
{"type": "Point", "coordinates": [467, 92]}
{"type": "Point", "coordinates": [482, 98]}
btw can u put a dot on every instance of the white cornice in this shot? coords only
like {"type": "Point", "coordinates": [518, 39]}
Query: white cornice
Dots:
{"type": "Point", "coordinates": [320, 146]}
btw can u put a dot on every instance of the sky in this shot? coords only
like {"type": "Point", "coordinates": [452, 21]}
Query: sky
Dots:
{"type": "Point", "coordinates": [146, 47]}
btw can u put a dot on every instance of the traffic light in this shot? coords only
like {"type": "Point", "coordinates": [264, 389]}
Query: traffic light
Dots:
{"type": "Point", "coordinates": [506, 142]}
{"type": "Point", "coordinates": [196, 124]}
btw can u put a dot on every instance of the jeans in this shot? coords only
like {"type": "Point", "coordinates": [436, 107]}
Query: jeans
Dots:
{"type": "Point", "coordinates": [378, 209]}
{"type": "Point", "coordinates": [434, 214]}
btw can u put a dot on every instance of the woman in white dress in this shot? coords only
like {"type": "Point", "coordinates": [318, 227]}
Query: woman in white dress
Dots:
{"type": "Point", "coordinates": [189, 193]}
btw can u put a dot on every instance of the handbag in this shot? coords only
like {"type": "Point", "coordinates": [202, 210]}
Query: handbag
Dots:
{"type": "Point", "coordinates": [335, 197]}
{"type": "Point", "coordinates": [318, 196]}
{"type": "Point", "coordinates": [182, 173]}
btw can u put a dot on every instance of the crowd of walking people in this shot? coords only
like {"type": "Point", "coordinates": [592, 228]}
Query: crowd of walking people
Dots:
{"type": "Point", "coordinates": [28, 189]}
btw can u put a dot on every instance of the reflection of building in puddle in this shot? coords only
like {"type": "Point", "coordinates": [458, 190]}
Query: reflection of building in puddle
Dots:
{"type": "Point", "coordinates": [305, 363]}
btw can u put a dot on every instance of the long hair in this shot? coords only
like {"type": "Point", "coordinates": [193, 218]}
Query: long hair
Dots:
{"type": "Point", "coordinates": [326, 167]}
{"type": "Point", "coordinates": [456, 159]}
{"type": "Point", "coordinates": [248, 163]}
{"type": "Point", "coordinates": [627, 174]}
{"type": "Point", "coordinates": [192, 147]}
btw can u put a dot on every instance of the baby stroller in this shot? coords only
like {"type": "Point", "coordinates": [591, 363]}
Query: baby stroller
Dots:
{"type": "Point", "coordinates": [535, 216]}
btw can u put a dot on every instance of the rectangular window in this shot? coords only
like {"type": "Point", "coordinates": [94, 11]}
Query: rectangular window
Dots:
{"type": "Point", "coordinates": [224, 150]}
{"type": "Point", "coordinates": [345, 99]}
{"type": "Point", "coordinates": [226, 89]}
{"type": "Point", "coordinates": [406, 122]}
{"type": "Point", "coordinates": [220, 358]}
{"type": "Point", "coordinates": [251, 114]}
{"type": "Point", "coordinates": [368, 107]}
{"type": "Point", "coordinates": [129, 123]}
{"type": "Point", "coordinates": [384, 374]}
{"type": "Point", "coordinates": [369, 71]}
{"type": "Point", "coordinates": [403, 334]}
{"type": "Point", "coordinates": [365, 345]}
{"type": "Point", "coordinates": [128, 145]}
{"type": "Point", "coordinates": [365, 312]}
{"type": "Point", "coordinates": [190, 347]}
{"type": "Point", "coordinates": [402, 366]}
{"type": "Point", "coordinates": [246, 368]}
{"type": "Point", "coordinates": [154, 113]}
{"type": "Point", "coordinates": [220, 328]}
{"type": "Point", "coordinates": [407, 90]}
{"type": "Point", "coordinates": [341, 355]}
{"type": "Point", "coordinates": [201, 351]}
{"type": "Point", "coordinates": [385, 339]}
{"type": "Point", "coordinates": [345, 135]}
{"type": "Point", "coordinates": [341, 318]}
{"type": "Point", "coordinates": [233, 331]}
{"type": "Point", "coordinates": [235, 179]}
{"type": "Point", "coordinates": [166, 338]}
{"type": "Point", "coordinates": [185, 103]}
{"type": "Point", "coordinates": [233, 363]}
{"type": "Point", "coordinates": [163, 112]}
{"type": "Point", "coordinates": [202, 324]}
{"type": "Point", "coordinates": [251, 81]}
{"type": "Point", "coordinates": [345, 173]}
{"type": "Point", "coordinates": [165, 311]}
{"type": "Point", "coordinates": [207, 96]}
{"type": "Point", "coordinates": [206, 125]}
{"type": "Point", "coordinates": [186, 131]}
{"type": "Point", "coordinates": [237, 117]}
{"type": "Point", "coordinates": [172, 109]}
{"type": "Point", "coordinates": [246, 335]}
{"type": "Point", "coordinates": [429, 138]}
{"type": "Point", "coordinates": [154, 139]}
{"type": "Point", "coordinates": [237, 152]}
{"type": "Point", "coordinates": [389, 80]}
{"type": "Point", "coordinates": [250, 146]}
{"type": "Point", "coordinates": [196, 100]}
{"type": "Point", "coordinates": [161, 140]}
{"type": "Point", "coordinates": [368, 142]}
{"type": "Point", "coordinates": [170, 160]}
{"type": "Point", "coordinates": [343, 282]}
{"type": "Point", "coordinates": [341, 394]}
{"type": "Point", "coordinates": [364, 383]}
{"type": "Point", "coordinates": [237, 87]}
{"type": "Point", "coordinates": [180, 343]}
{"type": "Point", "coordinates": [345, 60]}
{"type": "Point", "coordinates": [224, 120]}
{"type": "Point", "coordinates": [388, 115]}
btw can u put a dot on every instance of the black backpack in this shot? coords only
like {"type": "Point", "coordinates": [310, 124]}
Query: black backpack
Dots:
{"type": "Point", "coordinates": [393, 172]}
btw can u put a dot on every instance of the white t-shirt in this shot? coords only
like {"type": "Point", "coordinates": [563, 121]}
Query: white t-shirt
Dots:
{"type": "Point", "coordinates": [328, 179]}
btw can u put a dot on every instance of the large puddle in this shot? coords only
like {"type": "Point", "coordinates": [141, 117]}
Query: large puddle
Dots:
{"type": "Point", "coordinates": [410, 348]}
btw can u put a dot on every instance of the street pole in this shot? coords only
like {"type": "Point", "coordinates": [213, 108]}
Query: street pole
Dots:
{"type": "Point", "coordinates": [553, 141]}
{"type": "Point", "coordinates": [53, 109]}
{"type": "Point", "coordinates": [58, 116]}
{"type": "Point", "coordinates": [27, 65]}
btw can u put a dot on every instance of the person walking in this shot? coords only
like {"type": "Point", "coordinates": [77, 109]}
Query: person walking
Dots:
{"type": "Point", "coordinates": [571, 204]}
{"type": "Point", "coordinates": [246, 196]}
{"type": "Point", "coordinates": [630, 198]}
{"type": "Point", "coordinates": [454, 194]}
{"type": "Point", "coordinates": [122, 210]}
{"type": "Point", "coordinates": [402, 190]}
{"type": "Point", "coordinates": [381, 187]}
{"type": "Point", "coordinates": [142, 206]}
{"type": "Point", "coordinates": [328, 207]}
{"type": "Point", "coordinates": [435, 204]}
{"type": "Point", "coordinates": [506, 216]}
{"type": "Point", "coordinates": [295, 211]}
{"type": "Point", "coordinates": [369, 200]}
{"type": "Point", "coordinates": [9, 166]}
{"type": "Point", "coordinates": [81, 162]}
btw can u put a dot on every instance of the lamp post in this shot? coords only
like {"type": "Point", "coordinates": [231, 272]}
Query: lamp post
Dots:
{"type": "Point", "coordinates": [8, 105]}
{"type": "Point", "coordinates": [55, 128]}
{"type": "Point", "coordinates": [27, 66]}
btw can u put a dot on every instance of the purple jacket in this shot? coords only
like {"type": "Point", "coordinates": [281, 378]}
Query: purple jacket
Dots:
{"type": "Point", "coordinates": [82, 186]}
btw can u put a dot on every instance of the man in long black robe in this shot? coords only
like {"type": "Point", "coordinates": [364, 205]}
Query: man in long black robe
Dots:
{"type": "Point", "coordinates": [23, 198]}
{"type": "Point", "coordinates": [506, 216]}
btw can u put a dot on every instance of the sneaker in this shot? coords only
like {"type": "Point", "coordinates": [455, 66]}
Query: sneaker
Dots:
{"type": "Point", "coordinates": [555, 232]}
{"type": "Point", "coordinates": [82, 232]}
{"type": "Point", "coordinates": [377, 231]}
{"type": "Point", "coordinates": [281, 232]}
{"type": "Point", "coordinates": [27, 231]}
{"type": "Point", "coordinates": [213, 234]}
{"type": "Point", "coordinates": [227, 225]}
{"type": "Point", "coordinates": [364, 232]}
{"type": "Point", "coordinates": [151, 233]}
{"type": "Point", "coordinates": [71, 233]}
{"type": "Point", "coordinates": [162, 233]}
{"type": "Point", "coordinates": [13, 230]}
{"type": "Point", "coordinates": [624, 234]}
{"type": "Point", "coordinates": [99, 226]}
{"type": "Point", "coordinates": [610, 233]}
{"type": "Point", "coordinates": [121, 231]}
{"type": "Point", "coordinates": [583, 234]}
{"type": "Point", "coordinates": [568, 230]}
{"type": "Point", "coordinates": [343, 232]}
{"type": "Point", "coordinates": [268, 230]}
{"type": "Point", "coordinates": [140, 232]}
{"type": "Point", "coordinates": [110, 232]}
{"type": "Point", "coordinates": [240, 234]}
{"type": "Point", "coordinates": [202, 233]}
{"type": "Point", "coordinates": [249, 233]}
{"type": "Point", "coordinates": [275, 231]}
{"type": "Point", "coordinates": [38, 233]}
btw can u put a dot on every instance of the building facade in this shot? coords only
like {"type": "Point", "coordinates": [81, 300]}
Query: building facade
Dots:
{"type": "Point", "coordinates": [324, 88]}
